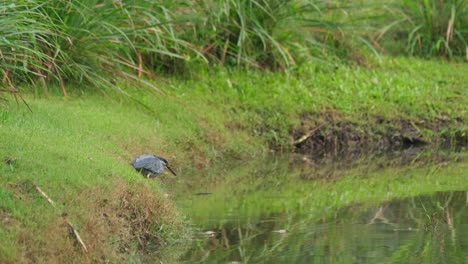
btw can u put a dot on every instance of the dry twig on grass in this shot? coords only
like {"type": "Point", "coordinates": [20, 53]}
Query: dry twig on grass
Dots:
{"type": "Point", "coordinates": [307, 135]}
{"type": "Point", "coordinates": [70, 225]}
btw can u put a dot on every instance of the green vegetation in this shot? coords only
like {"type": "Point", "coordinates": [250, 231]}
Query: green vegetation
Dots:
{"type": "Point", "coordinates": [88, 41]}
{"type": "Point", "coordinates": [201, 82]}
{"type": "Point", "coordinates": [78, 152]}
{"type": "Point", "coordinates": [96, 42]}
{"type": "Point", "coordinates": [272, 34]}
{"type": "Point", "coordinates": [78, 149]}
{"type": "Point", "coordinates": [433, 28]}
{"type": "Point", "coordinates": [374, 101]}
{"type": "Point", "coordinates": [99, 42]}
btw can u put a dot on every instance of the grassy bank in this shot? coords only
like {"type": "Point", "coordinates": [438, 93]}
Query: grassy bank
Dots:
{"type": "Point", "coordinates": [191, 81]}
{"type": "Point", "coordinates": [77, 149]}
{"type": "Point", "coordinates": [78, 152]}
{"type": "Point", "coordinates": [397, 103]}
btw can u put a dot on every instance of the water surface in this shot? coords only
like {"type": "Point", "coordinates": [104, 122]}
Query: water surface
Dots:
{"type": "Point", "coordinates": [389, 209]}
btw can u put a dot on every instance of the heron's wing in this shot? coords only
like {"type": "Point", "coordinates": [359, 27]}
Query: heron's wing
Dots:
{"type": "Point", "coordinates": [156, 166]}
{"type": "Point", "coordinates": [148, 162]}
{"type": "Point", "coordinates": [142, 161]}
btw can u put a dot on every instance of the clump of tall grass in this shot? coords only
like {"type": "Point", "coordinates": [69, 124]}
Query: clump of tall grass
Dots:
{"type": "Point", "coordinates": [245, 32]}
{"type": "Point", "coordinates": [90, 41]}
{"type": "Point", "coordinates": [431, 27]}
{"type": "Point", "coordinates": [264, 33]}
{"type": "Point", "coordinates": [98, 42]}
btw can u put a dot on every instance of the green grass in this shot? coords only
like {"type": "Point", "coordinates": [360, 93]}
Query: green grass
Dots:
{"type": "Point", "coordinates": [78, 152]}
{"type": "Point", "coordinates": [436, 27]}
{"type": "Point", "coordinates": [213, 102]}
{"type": "Point", "coordinates": [95, 43]}
{"type": "Point", "coordinates": [266, 34]}
{"type": "Point", "coordinates": [78, 149]}
{"type": "Point", "coordinates": [98, 44]}
{"type": "Point", "coordinates": [91, 42]}
{"type": "Point", "coordinates": [272, 105]}
{"type": "Point", "coordinates": [426, 28]}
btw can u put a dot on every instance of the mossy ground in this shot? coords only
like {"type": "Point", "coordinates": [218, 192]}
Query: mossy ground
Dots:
{"type": "Point", "coordinates": [78, 149]}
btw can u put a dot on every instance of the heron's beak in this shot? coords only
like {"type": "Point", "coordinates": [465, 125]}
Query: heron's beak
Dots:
{"type": "Point", "coordinates": [171, 170]}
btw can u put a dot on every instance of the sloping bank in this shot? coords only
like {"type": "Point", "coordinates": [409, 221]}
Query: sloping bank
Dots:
{"type": "Point", "coordinates": [77, 150]}
{"type": "Point", "coordinates": [320, 109]}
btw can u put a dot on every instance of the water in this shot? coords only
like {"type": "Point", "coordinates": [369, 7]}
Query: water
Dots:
{"type": "Point", "coordinates": [400, 209]}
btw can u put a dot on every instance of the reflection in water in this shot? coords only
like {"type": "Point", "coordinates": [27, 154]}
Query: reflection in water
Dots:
{"type": "Point", "coordinates": [269, 212]}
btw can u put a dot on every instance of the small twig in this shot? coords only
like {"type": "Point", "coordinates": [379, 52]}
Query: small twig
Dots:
{"type": "Point", "coordinates": [140, 64]}
{"type": "Point", "coordinates": [25, 103]}
{"type": "Point", "coordinates": [306, 136]}
{"type": "Point", "coordinates": [78, 237]}
{"type": "Point", "coordinates": [13, 90]}
{"type": "Point", "coordinates": [205, 50]}
{"type": "Point", "coordinates": [62, 84]}
{"type": "Point", "coordinates": [44, 84]}
{"type": "Point", "coordinates": [70, 225]}
{"type": "Point", "coordinates": [45, 196]}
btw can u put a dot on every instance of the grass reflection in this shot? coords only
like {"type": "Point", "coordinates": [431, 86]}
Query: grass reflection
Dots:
{"type": "Point", "coordinates": [278, 210]}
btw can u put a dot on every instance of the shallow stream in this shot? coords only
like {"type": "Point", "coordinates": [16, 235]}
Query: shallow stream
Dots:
{"type": "Point", "coordinates": [407, 207]}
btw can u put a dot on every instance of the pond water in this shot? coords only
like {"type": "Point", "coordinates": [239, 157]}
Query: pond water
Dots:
{"type": "Point", "coordinates": [402, 208]}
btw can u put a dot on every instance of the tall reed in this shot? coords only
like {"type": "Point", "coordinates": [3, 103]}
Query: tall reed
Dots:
{"type": "Point", "coordinates": [263, 33]}
{"type": "Point", "coordinates": [430, 27]}
{"type": "Point", "coordinates": [89, 41]}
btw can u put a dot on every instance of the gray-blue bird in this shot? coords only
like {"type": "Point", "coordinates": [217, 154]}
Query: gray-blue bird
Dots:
{"type": "Point", "coordinates": [150, 165]}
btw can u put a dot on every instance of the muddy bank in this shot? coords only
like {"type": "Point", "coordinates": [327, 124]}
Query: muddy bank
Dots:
{"type": "Point", "coordinates": [332, 133]}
